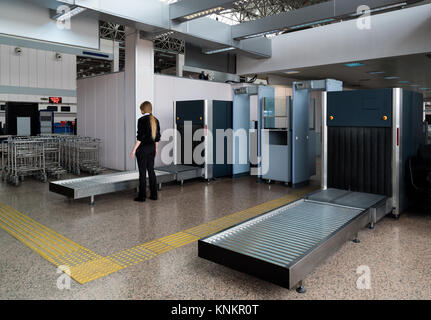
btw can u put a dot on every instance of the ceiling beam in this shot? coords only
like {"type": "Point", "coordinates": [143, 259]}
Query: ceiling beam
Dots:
{"type": "Point", "coordinates": [187, 10]}
{"type": "Point", "coordinates": [319, 13]}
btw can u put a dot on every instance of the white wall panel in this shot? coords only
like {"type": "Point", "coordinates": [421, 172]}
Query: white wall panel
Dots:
{"type": "Point", "coordinates": [24, 60]}
{"type": "Point", "coordinates": [14, 67]}
{"type": "Point", "coordinates": [100, 114]}
{"type": "Point", "coordinates": [36, 69]}
{"type": "Point", "coordinates": [32, 68]}
{"type": "Point", "coordinates": [4, 65]}
{"type": "Point", "coordinates": [41, 69]}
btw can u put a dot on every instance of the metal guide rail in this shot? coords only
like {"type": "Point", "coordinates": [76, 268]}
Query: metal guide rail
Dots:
{"type": "Point", "coordinates": [115, 182]}
{"type": "Point", "coordinates": [284, 245]}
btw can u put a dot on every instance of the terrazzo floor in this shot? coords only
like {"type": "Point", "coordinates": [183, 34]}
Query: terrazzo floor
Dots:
{"type": "Point", "coordinates": [397, 253]}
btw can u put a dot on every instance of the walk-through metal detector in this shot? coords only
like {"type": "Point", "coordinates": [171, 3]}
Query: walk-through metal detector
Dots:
{"type": "Point", "coordinates": [367, 137]}
{"type": "Point", "coordinates": [207, 116]}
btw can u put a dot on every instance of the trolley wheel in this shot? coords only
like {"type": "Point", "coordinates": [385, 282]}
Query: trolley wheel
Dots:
{"type": "Point", "coordinates": [268, 181]}
{"type": "Point", "coordinates": [43, 178]}
{"type": "Point", "coordinates": [15, 181]}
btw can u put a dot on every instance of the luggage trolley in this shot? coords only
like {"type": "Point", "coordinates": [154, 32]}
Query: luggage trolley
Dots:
{"type": "Point", "coordinates": [26, 157]}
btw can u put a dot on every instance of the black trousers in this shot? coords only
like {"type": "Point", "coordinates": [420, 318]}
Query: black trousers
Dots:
{"type": "Point", "coordinates": [146, 163]}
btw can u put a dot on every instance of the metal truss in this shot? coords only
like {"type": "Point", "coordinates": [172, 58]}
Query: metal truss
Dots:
{"type": "Point", "coordinates": [248, 10]}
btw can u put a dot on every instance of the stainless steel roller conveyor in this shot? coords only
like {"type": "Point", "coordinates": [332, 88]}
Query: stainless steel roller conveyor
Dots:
{"type": "Point", "coordinates": [284, 245]}
{"type": "Point", "coordinates": [107, 183]}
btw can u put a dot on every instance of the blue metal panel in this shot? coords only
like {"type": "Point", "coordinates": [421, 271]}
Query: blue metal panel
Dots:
{"type": "Point", "coordinates": [300, 136]}
{"type": "Point", "coordinates": [411, 133]}
{"type": "Point", "coordinates": [222, 119]}
{"type": "Point", "coordinates": [241, 120]}
{"type": "Point", "coordinates": [362, 108]}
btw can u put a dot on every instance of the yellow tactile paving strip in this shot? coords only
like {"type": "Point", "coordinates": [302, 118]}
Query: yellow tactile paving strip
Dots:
{"type": "Point", "coordinates": [84, 265]}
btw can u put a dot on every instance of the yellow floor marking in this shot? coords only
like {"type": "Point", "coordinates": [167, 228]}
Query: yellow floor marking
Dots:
{"type": "Point", "coordinates": [84, 265]}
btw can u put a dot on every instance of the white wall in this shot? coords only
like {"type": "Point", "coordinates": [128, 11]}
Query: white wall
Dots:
{"type": "Point", "coordinates": [100, 114]}
{"type": "Point", "coordinates": [168, 89]}
{"type": "Point", "coordinates": [36, 75]}
{"type": "Point", "coordinates": [394, 33]}
{"type": "Point", "coordinates": [36, 69]}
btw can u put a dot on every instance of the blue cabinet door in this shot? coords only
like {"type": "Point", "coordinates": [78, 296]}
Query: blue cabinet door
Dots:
{"type": "Point", "coordinates": [300, 137]}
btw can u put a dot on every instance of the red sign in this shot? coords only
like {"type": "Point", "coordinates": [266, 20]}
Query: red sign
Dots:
{"type": "Point", "coordinates": [55, 100]}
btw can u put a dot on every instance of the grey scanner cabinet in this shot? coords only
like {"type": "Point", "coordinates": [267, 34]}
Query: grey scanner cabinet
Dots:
{"type": "Point", "coordinates": [276, 163]}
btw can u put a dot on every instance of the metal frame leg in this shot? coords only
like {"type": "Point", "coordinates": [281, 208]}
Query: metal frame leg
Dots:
{"type": "Point", "coordinates": [356, 239]}
{"type": "Point", "coordinates": [92, 201]}
{"type": "Point", "coordinates": [300, 287]}
{"type": "Point", "coordinates": [372, 225]}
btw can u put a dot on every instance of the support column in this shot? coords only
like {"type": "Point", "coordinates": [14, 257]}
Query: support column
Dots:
{"type": "Point", "coordinates": [116, 62]}
{"type": "Point", "coordinates": [139, 85]}
{"type": "Point", "coordinates": [180, 64]}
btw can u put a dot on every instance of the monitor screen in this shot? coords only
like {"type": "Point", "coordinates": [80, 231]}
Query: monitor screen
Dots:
{"type": "Point", "coordinates": [55, 100]}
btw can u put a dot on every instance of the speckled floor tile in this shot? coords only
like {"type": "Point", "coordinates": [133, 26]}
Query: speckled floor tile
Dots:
{"type": "Point", "coordinates": [397, 253]}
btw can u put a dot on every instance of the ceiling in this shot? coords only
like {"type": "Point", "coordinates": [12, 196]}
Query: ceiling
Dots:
{"type": "Point", "coordinates": [416, 69]}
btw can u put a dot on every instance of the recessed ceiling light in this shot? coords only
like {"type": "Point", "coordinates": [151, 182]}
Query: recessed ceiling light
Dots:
{"type": "Point", "coordinates": [291, 72]}
{"type": "Point", "coordinates": [354, 64]}
{"type": "Point", "coordinates": [219, 50]}
{"type": "Point", "coordinates": [391, 78]}
{"type": "Point", "coordinates": [414, 85]}
{"type": "Point", "coordinates": [376, 72]}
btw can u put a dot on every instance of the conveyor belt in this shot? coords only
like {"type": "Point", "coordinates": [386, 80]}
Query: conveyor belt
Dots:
{"type": "Point", "coordinates": [107, 183]}
{"type": "Point", "coordinates": [285, 244]}
{"type": "Point", "coordinates": [183, 172]}
{"type": "Point", "coordinates": [96, 185]}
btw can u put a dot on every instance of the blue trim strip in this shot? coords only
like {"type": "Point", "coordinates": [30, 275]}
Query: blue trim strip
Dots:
{"type": "Point", "coordinates": [37, 91]}
{"type": "Point", "coordinates": [95, 54]}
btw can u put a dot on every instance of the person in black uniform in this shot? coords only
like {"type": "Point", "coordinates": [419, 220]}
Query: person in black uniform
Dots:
{"type": "Point", "coordinates": [145, 150]}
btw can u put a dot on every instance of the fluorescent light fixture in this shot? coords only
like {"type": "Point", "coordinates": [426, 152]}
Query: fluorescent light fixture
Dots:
{"type": "Point", "coordinates": [391, 78]}
{"type": "Point", "coordinates": [68, 15]}
{"type": "Point", "coordinates": [376, 72]}
{"type": "Point", "coordinates": [414, 85]}
{"type": "Point", "coordinates": [291, 72]}
{"type": "Point", "coordinates": [354, 64]}
{"type": "Point", "coordinates": [381, 9]}
{"type": "Point", "coordinates": [404, 82]}
{"type": "Point", "coordinates": [203, 13]}
{"type": "Point", "coordinates": [219, 50]}
{"type": "Point", "coordinates": [299, 26]}
{"type": "Point", "coordinates": [267, 33]}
